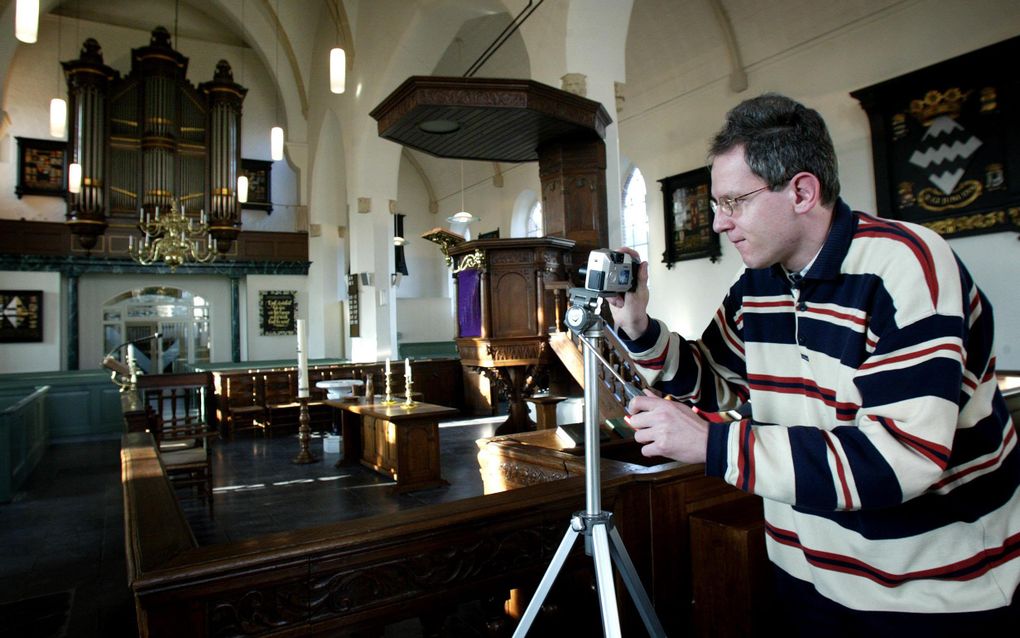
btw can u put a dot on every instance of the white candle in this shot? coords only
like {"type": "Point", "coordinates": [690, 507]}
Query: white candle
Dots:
{"type": "Point", "coordinates": [407, 370]}
{"type": "Point", "coordinates": [387, 366]}
{"type": "Point", "coordinates": [302, 355]}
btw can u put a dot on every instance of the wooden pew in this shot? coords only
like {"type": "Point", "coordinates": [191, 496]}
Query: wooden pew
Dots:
{"type": "Point", "coordinates": [352, 575]}
{"type": "Point", "coordinates": [246, 396]}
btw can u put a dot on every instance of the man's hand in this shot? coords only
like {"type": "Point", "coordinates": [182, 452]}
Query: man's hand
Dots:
{"type": "Point", "coordinates": [630, 310]}
{"type": "Point", "coordinates": [668, 428]}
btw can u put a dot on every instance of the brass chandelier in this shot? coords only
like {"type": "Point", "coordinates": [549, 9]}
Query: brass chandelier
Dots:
{"type": "Point", "coordinates": [172, 237]}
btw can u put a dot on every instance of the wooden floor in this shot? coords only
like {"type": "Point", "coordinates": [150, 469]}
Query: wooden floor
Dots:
{"type": "Point", "coordinates": [63, 562]}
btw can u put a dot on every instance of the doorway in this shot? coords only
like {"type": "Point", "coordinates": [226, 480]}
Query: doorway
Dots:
{"type": "Point", "coordinates": [133, 319]}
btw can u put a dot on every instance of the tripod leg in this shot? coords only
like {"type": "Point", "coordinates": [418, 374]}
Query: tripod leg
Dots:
{"type": "Point", "coordinates": [604, 578]}
{"type": "Point", "coordinates": [546, 583]}
{"type": "Point", "coordinates": [634, 586]}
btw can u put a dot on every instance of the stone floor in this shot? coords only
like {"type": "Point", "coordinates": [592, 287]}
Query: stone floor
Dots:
{"type": "Point", "coordinates": [62, 537]}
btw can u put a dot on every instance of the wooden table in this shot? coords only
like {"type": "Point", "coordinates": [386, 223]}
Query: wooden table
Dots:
{"type": "Point", "coordinates": [400, 442]}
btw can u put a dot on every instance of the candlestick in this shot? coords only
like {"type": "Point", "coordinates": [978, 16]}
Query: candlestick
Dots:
{"type": "Point", "coordinates": [302, 355]}
{"type": "Point", "coordinates": [388, 399]}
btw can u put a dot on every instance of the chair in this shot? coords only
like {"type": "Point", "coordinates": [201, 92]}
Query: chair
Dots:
{"type": "Point", "coordinates": [177, 420]}
{"type": "Point", "coordinates": [243, 404]}
{"type": "Point", "coordinates": [281, 407]}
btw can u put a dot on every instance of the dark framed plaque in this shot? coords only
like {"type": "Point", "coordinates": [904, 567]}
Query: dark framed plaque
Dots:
{"type": "Point", "coordinates": [42, 167]}
{"type": "Point", "coordinates": [259, 173]}
{"type": "Point", "coordinates": [946, 143]}
{"type": "Point", "coordinates": [277, 312]}
{"type": "Point", "coordinates": [689, 234]}
{"type": "Point", "coordinates": [21, 318]}
{"type": "Point", "coordinates": [353, 310]}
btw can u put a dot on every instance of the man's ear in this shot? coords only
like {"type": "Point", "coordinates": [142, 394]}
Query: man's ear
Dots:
{"type": "Point", "coordinates": [806, 191]}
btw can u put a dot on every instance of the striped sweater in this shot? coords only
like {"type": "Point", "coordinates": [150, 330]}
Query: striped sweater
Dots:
{"type": "Point", "coordinates": [878, 436]}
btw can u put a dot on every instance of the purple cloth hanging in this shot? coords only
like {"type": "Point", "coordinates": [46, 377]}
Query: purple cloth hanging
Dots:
{"type": "Point", "coordinates": [469, 303]}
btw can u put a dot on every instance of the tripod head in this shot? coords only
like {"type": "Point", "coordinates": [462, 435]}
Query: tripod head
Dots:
{"type": "Point", "coordinates": [583, 313]}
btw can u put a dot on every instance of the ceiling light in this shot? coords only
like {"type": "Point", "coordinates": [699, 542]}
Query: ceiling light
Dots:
{"type": "Point", "coordinates": [26, 21]}
{"type": "Point", "coordinates": [439, 127]}
{"type": "Point", "coordinates": [276, 143]}
{"type": "Point", "coordinates": [74, 178]}
{"type": "Point", "coordinates": [276, 134]}
{"type": "Point", "coordinates": [58, 117]}
{"type": "Point", "coordinates": [337, 70]}
{"type": "Point", "coordinates": [463, 217]}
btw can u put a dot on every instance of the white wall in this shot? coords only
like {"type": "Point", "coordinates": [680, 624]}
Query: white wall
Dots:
{"type": "Point", "coordinates": [94, 291]}
{"type": "Point", "coordinates": [427, 319]}
{"type": "Point", "coordinates": [259, 347]}
{"type": "Point", "coordinates": [668, 133]}
{"type": "Point", "coordinates": [36, 357]}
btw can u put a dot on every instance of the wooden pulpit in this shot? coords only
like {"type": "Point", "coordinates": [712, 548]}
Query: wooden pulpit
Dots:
{"type": "Point", "coordinates": [505, 311]}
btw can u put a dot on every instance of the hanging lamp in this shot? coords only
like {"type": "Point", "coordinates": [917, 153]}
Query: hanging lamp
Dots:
{"type": "Point", "coordinates": [337, 60]}
{"type": "Point", "coordinates": [26, 21]}
{"type": "Point", "coordinates": [462, 217]}
{"type": "Point", "coordinates": [242, 179]}
{"type": "Point", "coordinates": [58, 105]}
{"type": "Point", "coordinates": [276, 134]}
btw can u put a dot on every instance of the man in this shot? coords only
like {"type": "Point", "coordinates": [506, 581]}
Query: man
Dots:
{"type": "Point", "coordinates": [878, 437]}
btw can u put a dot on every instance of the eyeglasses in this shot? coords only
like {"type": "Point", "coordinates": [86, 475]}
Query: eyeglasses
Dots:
{"type": "Point", "coordinates": [726, 205]}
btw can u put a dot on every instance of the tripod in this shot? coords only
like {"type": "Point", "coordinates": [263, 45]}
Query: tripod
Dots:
{"type": "Point", "coordinates": [601, 539]}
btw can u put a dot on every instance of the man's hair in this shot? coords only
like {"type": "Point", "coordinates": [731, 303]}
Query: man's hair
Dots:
{"type": "Point", "coordinates": [781, 138]}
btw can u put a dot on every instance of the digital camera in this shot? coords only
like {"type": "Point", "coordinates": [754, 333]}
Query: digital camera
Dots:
{"type": "Point", "coordinates": [610, 272]}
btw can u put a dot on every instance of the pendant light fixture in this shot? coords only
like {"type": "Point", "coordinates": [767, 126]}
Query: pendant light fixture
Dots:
{"type": "Point", "coordinates": [462, 216]}
{"type": "Point", "coordinates": [26, 21]}
{"type": "Point", "coordinates": [337, 60]}
{"type": "Point", "coordinates": [74, 178]}
{"type": "Point", "coordinates": [58, 117]}
{"type": "Point", "coordinates": [74, 168]}
{"type": "Point", "coordinates": [276, 134]}
{"type": "Point", "coordinates": [242, 179]}
{"type": "Point", "coordinates": [58, 105]}
{"type": "Point", "coordinates": [337, 70]}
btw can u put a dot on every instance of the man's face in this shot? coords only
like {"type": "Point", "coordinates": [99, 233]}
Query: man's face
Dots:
{"type": "Point", "coordinates": [763, 227]}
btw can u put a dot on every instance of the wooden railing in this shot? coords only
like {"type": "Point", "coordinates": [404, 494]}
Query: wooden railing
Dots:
{"type": "Point", "coordinates": [24, 436]}
{"type": "Point", "coordinates": [363, 573]}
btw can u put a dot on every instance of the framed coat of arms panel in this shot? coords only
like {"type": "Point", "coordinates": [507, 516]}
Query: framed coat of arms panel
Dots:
{"type": "Point", "coordinates": [946, 143]}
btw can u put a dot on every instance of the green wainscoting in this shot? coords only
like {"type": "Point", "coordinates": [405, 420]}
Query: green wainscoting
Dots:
{"type": "Point", "coordinates": [428, 350]}
{"type": "Point", "coordinates": [24, 435]}
{"type": "Point", "coordinates": [271, 364]}
{"type": "Point", "coordinates": [79, 402]}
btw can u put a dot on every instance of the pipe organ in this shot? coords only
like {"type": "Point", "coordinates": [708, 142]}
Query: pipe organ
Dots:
{"type": "Point", "coordinates": [152, 137]}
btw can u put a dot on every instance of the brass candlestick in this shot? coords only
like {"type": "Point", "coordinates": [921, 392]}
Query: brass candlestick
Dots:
{"type": "Point", "coordinates": [408, 401]}
{"type": "Point", "coordinates": [304, 435]}
{"type": "Point", "coordinates": [389, 392]}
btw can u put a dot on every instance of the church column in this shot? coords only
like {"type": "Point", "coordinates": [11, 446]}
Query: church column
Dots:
{"type": "Point", "coordinates": [235, 319]}
{"type": "Point", "coordinates": [72, 321]}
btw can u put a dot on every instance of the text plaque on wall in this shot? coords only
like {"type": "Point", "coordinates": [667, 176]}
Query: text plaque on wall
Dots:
{"type": "Point", "coordinates": [277, 312]}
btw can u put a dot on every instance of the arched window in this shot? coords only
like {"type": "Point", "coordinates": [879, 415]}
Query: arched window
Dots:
{"type": "Point", "coordinates": [634, 214]}
{"type": "Point", "coordinates": [535, 226]}
{"type": "Point", "coordinates": [180, 317]}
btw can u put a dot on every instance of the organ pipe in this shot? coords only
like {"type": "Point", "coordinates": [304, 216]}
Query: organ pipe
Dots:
{"type": "Point", "coordinates": [152, 137]}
